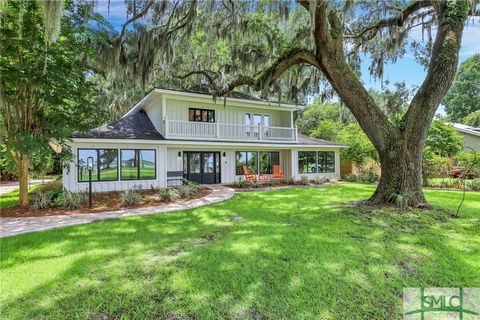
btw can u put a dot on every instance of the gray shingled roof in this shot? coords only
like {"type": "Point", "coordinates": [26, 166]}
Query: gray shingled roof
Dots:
{"type": "Point", "coordinates": [134, 126]}
{"type": "Point", "coordinates": [306, 140]}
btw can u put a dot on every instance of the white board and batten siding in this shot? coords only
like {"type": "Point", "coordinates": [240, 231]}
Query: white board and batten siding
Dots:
{"type": "Point", "coordinates": [178, 110]}
{"type": "Point", "coordinates": [70, 175]}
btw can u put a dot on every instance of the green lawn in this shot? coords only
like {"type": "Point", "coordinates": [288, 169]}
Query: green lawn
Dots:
{"type": "Point", "coordinates": [293, 254]}
{"type": "Point", "coordinates": [11, 199]}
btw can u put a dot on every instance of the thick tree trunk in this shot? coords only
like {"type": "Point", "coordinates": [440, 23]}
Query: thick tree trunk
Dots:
{"type": "Point", "coordinates": [401, 177]}
{"type": "Point", "coordinates": [22, 167]}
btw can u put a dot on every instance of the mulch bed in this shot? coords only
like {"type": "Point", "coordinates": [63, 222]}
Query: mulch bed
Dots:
{"type": "Point", "coordinates": [101, 202]}
{"type": "Point", "coordinates": [266, 186]}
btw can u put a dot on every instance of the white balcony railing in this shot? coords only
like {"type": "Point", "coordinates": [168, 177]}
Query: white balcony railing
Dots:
{"type": "Point", "coordinates": [225, 131]}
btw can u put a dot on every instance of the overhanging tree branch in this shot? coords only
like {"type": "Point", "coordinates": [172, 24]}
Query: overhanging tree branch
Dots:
{"type": "Point", "coordinates": [136, 17]}
{"type": "Point", "coordinates": [209, 74]}
{"type": "Point", "coordinates": [268, 76]}
{"type": "Point", "coordinates": [265, 78]}
{"type": "Point", "coordinates": [396, 21]}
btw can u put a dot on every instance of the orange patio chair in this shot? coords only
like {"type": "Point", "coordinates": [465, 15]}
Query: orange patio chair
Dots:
{"type": "Point", "coordinates": [249, 176]}
{"type": "Point", "coordinates": [277, 173]}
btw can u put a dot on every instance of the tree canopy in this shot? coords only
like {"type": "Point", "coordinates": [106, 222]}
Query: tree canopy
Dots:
{"type": "Point", "coordinates": [443, 139]}
{"type": "Point", "coordinates": [46, 87]}
{"type": "Point", "coordinates": [464, 95]}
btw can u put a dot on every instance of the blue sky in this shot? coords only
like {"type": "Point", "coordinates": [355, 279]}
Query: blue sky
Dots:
{"type": "Point", "coordinates": [408, 70]}
{"type": "Point", "coordinates": [405, 69]}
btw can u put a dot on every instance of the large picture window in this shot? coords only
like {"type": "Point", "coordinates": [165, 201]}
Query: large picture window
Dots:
{"type": "Point", "coordinates": [248, 158]}
{"type": "Point", "coordinates": [105, 164]}
{"type": "Point", "coordinates": [137, 164]}
{"type": "Point", "coordinates": [201, 115]}
{"type": "Point", "coordinates": [313, 161]}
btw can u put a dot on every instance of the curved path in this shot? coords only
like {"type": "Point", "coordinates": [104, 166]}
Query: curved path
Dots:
{"type": "Point", "coordinates": [14, 226]}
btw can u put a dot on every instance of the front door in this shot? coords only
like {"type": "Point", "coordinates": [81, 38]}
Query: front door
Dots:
{"type": "Point", "coordinates": [201, 167]}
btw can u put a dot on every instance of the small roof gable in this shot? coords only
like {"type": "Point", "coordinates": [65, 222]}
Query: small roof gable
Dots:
{"type": "Point", "coordinates": [133, 126]}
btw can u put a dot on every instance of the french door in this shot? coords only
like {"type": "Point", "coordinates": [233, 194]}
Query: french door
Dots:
{"type": "Point", "coordinates": [201, 167]}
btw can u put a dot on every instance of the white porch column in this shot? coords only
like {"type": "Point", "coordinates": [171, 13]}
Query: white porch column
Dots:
{"type": "Point", "coordinates": [293, 163]}
{"type": "Point", "coordinates": [162, 166]}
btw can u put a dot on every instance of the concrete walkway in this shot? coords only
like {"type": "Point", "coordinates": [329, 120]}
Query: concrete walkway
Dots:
{"type": "Point", "coordinates": [14, 226]}
{"type": "Point", "coordinates": [8, 187]}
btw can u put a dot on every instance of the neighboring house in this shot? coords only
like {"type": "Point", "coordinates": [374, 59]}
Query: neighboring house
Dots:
{"type": "Point", "coordinates": [471, 136]}
{"type": "Point", "coordinates": [173, 134]}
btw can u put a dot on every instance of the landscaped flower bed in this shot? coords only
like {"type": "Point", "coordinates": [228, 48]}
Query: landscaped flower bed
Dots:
{"type": "Point", "coordinates": [303, 181]}
{"type": "Point", "coordinates": [51, 200]}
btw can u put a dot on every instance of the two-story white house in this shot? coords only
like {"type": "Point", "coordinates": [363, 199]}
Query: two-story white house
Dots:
{"type": "Point", "coordinates": [173, 134]}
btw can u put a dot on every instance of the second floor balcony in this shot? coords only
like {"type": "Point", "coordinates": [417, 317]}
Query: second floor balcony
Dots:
{"type": "Point", "coordinates": [226, 131]}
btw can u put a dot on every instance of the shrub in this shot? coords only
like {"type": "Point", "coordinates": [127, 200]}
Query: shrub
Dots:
{"type": "Point", "coordinates": [193, 187]}
{"type": "Point", "coordinates": [320, 180]}
{"type": "Point", "coordinates": [470, 161]}
{"type": "Point", "coordinates": [255, 184]}
{"type": "Point", "coordinates": [42, 200]}
{"type": "Point", "coordinates": [291, 180]}
{"type": "Point", "coordinates": [435, 166]}
{"type": "Point", "coordinates": [131, 197]}
{"type": "Point", "coordinates": [475, 185]}
{"type": "Point", "coordinates": [55, 186]}
{"type": "Point", "coordinates": [368, 176]}
{"type": "Point", "coordinates": [241, 183]}
{"type": "Point", "coordinates": [333, 180]}
{"type": "Point", "coordinates": [273, 182]}
{"type": "Point", "coordinates": [168, 194]}
{"type": "Point", "coordinates": [183, 191]}
{"type": "Point", "coordinates": [351, 177]}
{"type": "Point", "coordinates": [73, 200]}
{"type": "Point", "coordinates": [304, 180]}
{"type": "Point", "coordinates": [401, 200]}
{"type": "Point", "coordinates": [187, 189]}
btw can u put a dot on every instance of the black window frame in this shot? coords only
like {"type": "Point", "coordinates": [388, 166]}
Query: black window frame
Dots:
{"type": "Point", "coordinates": [240, 169]}
{"type": "Point", "coordinates": [97, 151]}
{"type": "Point", "coordinates": [315, 163]}
{"type": "Point", "coordinates": [320, 162]}
{"type": "Point", "coordinates": [270, 163]}
{"type": "Point", "coordinates": [210, 112]}
{"type": "Point", "coordinates": [137, 156]}
{"type": "Point", "coordinates": [324, 163]}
